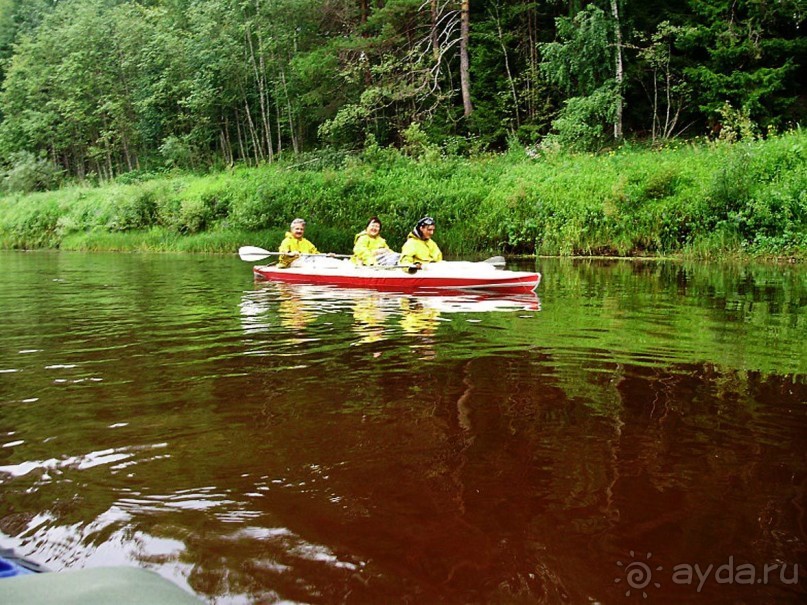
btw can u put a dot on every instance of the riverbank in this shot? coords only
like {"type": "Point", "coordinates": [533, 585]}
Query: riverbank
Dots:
{"type": "Point", "coordinates": [705, 200]}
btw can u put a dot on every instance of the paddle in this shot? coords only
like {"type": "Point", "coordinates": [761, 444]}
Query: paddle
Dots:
{"type": "Point", "coordinates": [411, 269]}
{"type": "Point", "coordinates": [253, 253]}
{"type": "Point", "coordinates": [496, 261]}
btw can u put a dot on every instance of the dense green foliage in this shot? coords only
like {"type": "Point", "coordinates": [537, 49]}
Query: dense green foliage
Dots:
{"type": "Point", "coordinates": [704, 199]}
{"type": "Point", "coordinates": [99, 88]}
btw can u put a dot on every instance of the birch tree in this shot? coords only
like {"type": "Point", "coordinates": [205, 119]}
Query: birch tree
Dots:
{"type": "Point", "coordinates": [581, 64]}
{"type": "Point", "coordinates": [465, 76]}
{"type": "Point", "coordinates": [618, 70]}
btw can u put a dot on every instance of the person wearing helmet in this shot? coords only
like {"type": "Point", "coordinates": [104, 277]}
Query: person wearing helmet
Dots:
{"type": "Point", "coordinates": [295, 244]}
{"type": "Point", "coordinates": [369, 248]}
{"type": "Point", "coordinates": [419, 247]}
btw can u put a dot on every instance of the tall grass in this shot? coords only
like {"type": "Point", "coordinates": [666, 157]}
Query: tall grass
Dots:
{"type": "Point", "coordinates": [694, 199]}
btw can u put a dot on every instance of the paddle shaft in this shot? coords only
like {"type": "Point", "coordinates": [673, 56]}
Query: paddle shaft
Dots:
{"type": "Point", "coordinates": [307, 254]}
{"type": "Point", "coordinates": [411, 269]}
{"type": "Point", "coordinates": [253, 253]}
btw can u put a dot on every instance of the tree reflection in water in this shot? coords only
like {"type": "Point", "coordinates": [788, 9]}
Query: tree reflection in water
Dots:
{"type": "Point", "coordinates": [167, 413]}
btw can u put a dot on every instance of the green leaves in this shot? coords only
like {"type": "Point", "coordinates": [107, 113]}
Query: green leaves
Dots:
{"type": "Point", "coordinates": [749, 54]}
{"type": "Point", "coordinates": [582, 58]}
{"type": "Point", "coordinates": [104, 87]}
{"type": "Point", "coordinates": [29, 173]}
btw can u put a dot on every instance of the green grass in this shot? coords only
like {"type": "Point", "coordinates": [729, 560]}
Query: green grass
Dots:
{"type": "Point", "coordinates": [700, 200]}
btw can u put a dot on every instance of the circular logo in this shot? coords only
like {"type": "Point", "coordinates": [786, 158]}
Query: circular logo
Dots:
{"type": "Point", "coordinates": [638, 575]}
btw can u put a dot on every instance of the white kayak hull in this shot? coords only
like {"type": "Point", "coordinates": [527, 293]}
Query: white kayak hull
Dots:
{"type": "Point", "coordinates": [435, 277]}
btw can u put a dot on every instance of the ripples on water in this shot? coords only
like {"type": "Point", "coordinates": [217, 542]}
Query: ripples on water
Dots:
{"type": "Point", "coordinates": [267, 442]}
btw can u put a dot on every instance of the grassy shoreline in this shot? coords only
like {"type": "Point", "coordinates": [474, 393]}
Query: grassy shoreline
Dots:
{"type": "Point", "coordinates": [705, 201]}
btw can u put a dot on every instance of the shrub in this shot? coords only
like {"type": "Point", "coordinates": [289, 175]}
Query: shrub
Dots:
{"type": "Point", "coordinates": [736, 124]}
{"type": "Point", "coordinates": [37, 226]}
{"type": "Point", "coordinates": [133, 210]}
{"type": "Point", "coordinates": [176, 153]}
{"type": "Point", "coordinates": [29, 173]}
{"type": "Point", "coordinates": [581, 124]}
{"type": "Point", "coordinates": [661, 183]}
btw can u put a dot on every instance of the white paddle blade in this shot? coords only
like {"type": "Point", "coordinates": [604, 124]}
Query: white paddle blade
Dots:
{"type": "Point", "coordinates": [253, 253]}
{"type": "Point", "coordinates": [496, 261]}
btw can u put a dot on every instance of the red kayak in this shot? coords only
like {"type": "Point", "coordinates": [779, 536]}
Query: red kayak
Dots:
{"type": "Point", "coordinates": [434, 277]}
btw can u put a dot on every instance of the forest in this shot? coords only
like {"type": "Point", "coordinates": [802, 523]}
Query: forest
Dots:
{"type": "Point", "coordinates": [96, 89]}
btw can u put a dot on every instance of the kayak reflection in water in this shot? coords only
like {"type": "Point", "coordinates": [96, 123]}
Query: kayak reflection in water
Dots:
{"type": "Point", "coordinates": [369, 320]}
{"type": "Point", "coordinates": [421, 322]}
{"type": "Point", "coordinates": [369, 248]}
{"type": "Point", "coordinates": [292, 309]}
{"type": "Point", "coordinates": [419, 247]}
{"type": "Point", "coordinates": [294, 244]}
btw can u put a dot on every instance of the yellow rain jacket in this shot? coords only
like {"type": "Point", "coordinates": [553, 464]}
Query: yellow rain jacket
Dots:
{"type": "Point", "coordinates": [364, 247]}
{"type": "Point", "coordinates": [416, 250]}
{"type": "Point", "coordinates": [292, 244]}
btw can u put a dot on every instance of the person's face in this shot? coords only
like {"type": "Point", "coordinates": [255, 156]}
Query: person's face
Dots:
{"type": "Point", "coordinates": [427, 231]}
{"type": "Point", "coordinates": [373, 229]}
{"type": "Point", "coordinates": [297, 230]}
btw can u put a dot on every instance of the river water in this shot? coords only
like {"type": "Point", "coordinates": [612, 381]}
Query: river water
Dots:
{"type": "Point", "coordinates": [635, 430]}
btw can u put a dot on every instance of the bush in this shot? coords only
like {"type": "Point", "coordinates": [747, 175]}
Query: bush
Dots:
{"type": "Point", "coordinates": [582, 123]}
{"type": "Point", "coordinates": [177, 153]}
{"type": "Point", "coordinates": [133, 210]}
{"type": "Point", "coordinates": [30, 173]}
{"type": "Point", "coordinates": [138, 176]}
{"type": "Point", "coordinates": [697, 199]}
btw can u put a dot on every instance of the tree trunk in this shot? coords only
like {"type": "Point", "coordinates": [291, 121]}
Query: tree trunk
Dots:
{"type": "Point", "coordinates": [435, 40]}
{"type": "Point", "coordinates": [294, 142]}
{"type": "Point", "coordinates": [78, 161]}
{"type": "Point", "coordinates": [240, 137]}
{"type": "Point", "coordinates": [226, 147]}
{"type": "Point", "coordinates": [110, 168]}
{"type": "Point", "coordinates": [264, 91]}
{"type": "Point", "coordinates": [465, 79]}
{"type": "Point", "coordinates": [256, 142]}
{"type": "Point", "coordinates": [618, 71]}
{"type": "Point", "coordinates": [259, 72]}
{"type": "Point", "coordinates": [126, 152]}
{"type": "Point", "coordinates": [507, 66]}
{"type": "Point", "coordinates": [655, 127]}
{"type": "Point", "coordinates": [532, 45]}
{"type": "Point", "coordinates": [279, 149]}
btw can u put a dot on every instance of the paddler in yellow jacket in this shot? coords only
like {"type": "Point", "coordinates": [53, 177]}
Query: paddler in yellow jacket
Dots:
{"type": "Point", "coordinates": [369, 248]}
{"type": "Point", "coordinates": [419, 247]}
{"type": "Point", "coordinates": [295, 244]}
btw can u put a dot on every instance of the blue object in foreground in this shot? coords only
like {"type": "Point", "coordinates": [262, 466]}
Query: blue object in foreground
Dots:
{"type": "Point", "coordinates": [9, 568]}
{"type": "Point", "coordinates": [11, 565]}
{"type": "Point", "coordinates": [22, 584]}
{"type": "Point", "coordinates": [97, 586]}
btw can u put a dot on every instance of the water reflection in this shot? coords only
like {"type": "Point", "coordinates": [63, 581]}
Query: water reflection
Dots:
{"type": "Point", "coordinates": [369, 318]}
{"type": "Point", "coordinates": [391, 448]}
{"type": "Point", "coordinates": [293, 309]}
{"type": "Point", "coordinates": [420, 322]}
{"type": "Point", "coordinates": [375, 314]}
{"type": "Point", "coordinates": [418, 318]}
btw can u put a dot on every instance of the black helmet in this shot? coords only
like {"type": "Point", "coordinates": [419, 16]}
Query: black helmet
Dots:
{"type": "Point", "coordinates": [425, 221]}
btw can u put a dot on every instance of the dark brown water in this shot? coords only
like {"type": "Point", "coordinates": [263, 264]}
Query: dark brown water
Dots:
{"type": "Point", "coordinates": [630, 426]}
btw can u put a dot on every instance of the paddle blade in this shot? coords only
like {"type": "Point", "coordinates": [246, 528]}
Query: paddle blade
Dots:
{"type": "Point", "coordinates": [252, 253]}
{"type": "Point", "coordinates": [496, 261]}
